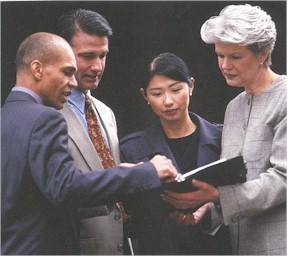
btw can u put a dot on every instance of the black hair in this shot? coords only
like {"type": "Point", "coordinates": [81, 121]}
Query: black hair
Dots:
{"type": "Point", "coordinates": [169, 65]}
{"type": "Point", "coordinates": [90, 22]}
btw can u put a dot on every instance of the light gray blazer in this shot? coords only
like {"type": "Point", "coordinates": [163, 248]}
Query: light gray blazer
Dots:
{"type": "Point", "coordinates": [256, 127]}
{"type": "Point", "coordinates": [101, 228]}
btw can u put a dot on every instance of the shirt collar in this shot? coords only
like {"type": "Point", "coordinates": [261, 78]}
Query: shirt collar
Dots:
{"type": "Point", "coordinates": [30, 92]}
{"type": "Point", "coordinates": [77, 99]}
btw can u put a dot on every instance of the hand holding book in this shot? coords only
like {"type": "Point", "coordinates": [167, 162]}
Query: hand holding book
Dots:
{"type": "Point", "coordinates": [222, 172]}
{"type": "Point", "coordinates": [219, 173]}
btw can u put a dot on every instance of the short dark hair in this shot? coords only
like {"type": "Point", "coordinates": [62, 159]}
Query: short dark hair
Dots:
{"type": "Point", "coordinates": [169, 65]}
{"type": "Point", "coordinates": [88, 21]}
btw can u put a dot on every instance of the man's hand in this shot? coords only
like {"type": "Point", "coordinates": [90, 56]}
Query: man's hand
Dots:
{"type": "Point", "coordinates": [191, 218]}
{"type": "Point", "coordinates": [205, 193]}
{"type": "Point", "coordinates": [165, 169]}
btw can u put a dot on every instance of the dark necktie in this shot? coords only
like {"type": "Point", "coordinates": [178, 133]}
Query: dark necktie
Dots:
{"type": "Point", "coordinates": [100, 144]}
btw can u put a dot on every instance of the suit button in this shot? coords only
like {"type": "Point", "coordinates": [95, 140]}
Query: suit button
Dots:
{"type": "Point", "coordinates": [120, 247]}
{"type": "Point", "coordinates": [117, 216]}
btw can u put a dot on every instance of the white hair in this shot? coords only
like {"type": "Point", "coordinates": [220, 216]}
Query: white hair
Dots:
{"type": "Point", "coordinates": [242, 24]}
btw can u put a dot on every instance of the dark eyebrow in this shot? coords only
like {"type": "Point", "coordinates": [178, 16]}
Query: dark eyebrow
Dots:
{"type": "Point", "coordinates": [85, 53]}
{"type": "Point", "coordinates": [92, 53]}
{"type": "Point", "coordinates": [175, 83]}
{"type": "Point", "coordinates": [171, 85]}
{"type": "Point", "coordinates": [70, 68]}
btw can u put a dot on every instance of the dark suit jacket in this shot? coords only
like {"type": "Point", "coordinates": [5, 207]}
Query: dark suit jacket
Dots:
{"type": "Point", "coordinates": [40, 184]}
{"type": "Point", "coordinates": [142, 145]}
{"type": "Point", "coordinates": [150, 219]}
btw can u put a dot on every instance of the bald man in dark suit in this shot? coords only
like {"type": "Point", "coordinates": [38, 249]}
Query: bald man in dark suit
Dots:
{"type": "Point", "coordinates": [40, 185]}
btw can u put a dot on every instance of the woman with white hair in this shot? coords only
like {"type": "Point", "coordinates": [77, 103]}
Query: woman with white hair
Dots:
{"type": "Point", "coordinates": [254, 127]}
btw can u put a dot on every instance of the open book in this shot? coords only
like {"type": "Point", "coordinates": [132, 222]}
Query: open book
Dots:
{"type": "Point", "coordinates": [219, 173]}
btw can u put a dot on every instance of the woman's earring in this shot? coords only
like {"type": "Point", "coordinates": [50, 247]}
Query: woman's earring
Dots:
{"type": "Point", "coordinates": [148, 103]}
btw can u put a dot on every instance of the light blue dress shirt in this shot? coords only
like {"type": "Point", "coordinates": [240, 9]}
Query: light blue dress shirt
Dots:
{"type": "Point", "coordinates": [77, 103]}
{"type": "Point", "coordinates": [29, 92]}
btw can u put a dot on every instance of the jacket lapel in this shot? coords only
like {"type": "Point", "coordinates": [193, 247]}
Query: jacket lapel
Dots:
{"type": "Point", "coordinates": [79, 136]}
{"type": "Point", "coordinates": [209, 141]}
{"type": "Point", "coordinates": [155, 144]}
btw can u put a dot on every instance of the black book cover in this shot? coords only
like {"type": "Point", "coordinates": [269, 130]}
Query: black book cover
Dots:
{"type": "Point", "coordinates": [219, 173]}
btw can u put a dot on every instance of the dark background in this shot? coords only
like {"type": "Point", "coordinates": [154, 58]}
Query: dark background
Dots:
{"type": "Point", "coordinates": [142, 30]}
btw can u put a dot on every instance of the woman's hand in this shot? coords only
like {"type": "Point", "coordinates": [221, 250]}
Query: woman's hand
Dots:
{"type": "Point", "coordinates": [205, 193]}
{"type": "Point", "coordinates": [191, 218]}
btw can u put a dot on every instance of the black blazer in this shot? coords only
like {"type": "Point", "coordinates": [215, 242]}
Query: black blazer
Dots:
{"type": "Point", "coordinates": [142, 145]}
{"type": "Point", "coordinates": [150, 222]}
